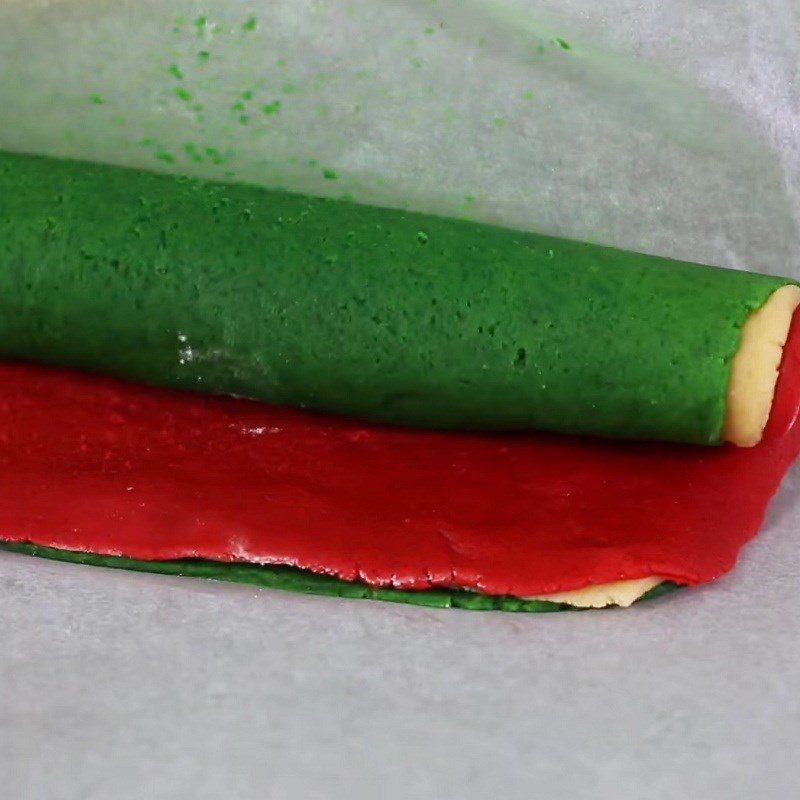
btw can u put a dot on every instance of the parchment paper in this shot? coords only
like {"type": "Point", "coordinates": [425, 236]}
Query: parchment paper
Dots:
{"type": "Point", "coordinates": [542, 115]}
{"type": "Point", "coordinates": [668, 127]}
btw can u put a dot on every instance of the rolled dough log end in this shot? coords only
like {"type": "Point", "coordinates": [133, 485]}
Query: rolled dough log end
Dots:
{"type": "Point", "coordinates": [755, 366]}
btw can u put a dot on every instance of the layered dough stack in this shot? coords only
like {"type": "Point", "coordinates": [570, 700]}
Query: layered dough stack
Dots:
{"type": "Point", "coordinates": [460, 337]}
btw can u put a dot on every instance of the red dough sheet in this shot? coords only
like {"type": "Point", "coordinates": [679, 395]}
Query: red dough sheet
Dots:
{"type": "Point", "coordinates": [93, 464]}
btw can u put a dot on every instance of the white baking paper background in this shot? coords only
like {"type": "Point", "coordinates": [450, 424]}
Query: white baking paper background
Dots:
{"type": "Point", "coordinates": [672, 127]}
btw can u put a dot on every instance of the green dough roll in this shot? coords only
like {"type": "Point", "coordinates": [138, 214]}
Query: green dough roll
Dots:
{"type": "Point", "coordinates": [388, 315]}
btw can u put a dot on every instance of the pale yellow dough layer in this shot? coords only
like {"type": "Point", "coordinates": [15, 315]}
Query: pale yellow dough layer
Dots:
{"type": "Point", "coordinates": [616, 593]}
{"type": "Point", "coordinates": [754, 369]}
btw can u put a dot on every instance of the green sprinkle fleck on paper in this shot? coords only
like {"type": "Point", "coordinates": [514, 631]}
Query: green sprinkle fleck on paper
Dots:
{"type": "Point", "coordinates": [329, 174]}
{"type": "Point", "coordinates": [527, 95]}
{"type": "Point", "coordinates": [244, 119]}
{"type": "Point", "coordinates": [183, 94]}
{"type": "Point", "coordinates": [191, 150]}
{"type": "Point", "coordinates": [247, 94]}
{"type": "Point", "coordinates": [429, 31]}
{"type": "Point", "coordinates": [175, 71]}
{"type": "Point", "coordinates": [422, 237]}
{"type": "Point", "coordinates": [201, 22]}
{"type": "Point", "coordinates": [98, 99]}
{"type": "Point", "coordinates": [148, 141]}
{"type": "Point", "coordinates": [499, 122]}
{"type": "Point", "coordinates": [204, 55]}
{"type": "Point", "coordinates": [563, 43]}
{"type": "Point", "coordinates": [251, 24]}
{"type": "Point", "coordinates": [238, 106]}
{"type": "Point", "coordinates": [167, 158]}
{"type": "Point", "coordinates": [271, 108]}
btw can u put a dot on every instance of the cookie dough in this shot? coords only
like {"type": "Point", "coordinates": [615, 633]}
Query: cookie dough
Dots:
{"type": "Point", "coordinates": [375, 313]}
{"type": "Point", "coordinates": [755, 367]}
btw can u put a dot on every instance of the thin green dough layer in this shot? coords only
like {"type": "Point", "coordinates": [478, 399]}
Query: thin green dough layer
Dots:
{"type": "Point", "coordinates": [305, 582]}
{"type": "Point", "coordinates": [382, 314]}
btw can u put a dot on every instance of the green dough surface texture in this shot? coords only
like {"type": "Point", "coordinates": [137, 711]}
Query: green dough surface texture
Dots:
{"type": "Point", "coordinates": [388, 315]}
{"type": "Point", "coordinates": [298, 580]}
